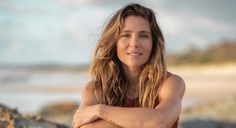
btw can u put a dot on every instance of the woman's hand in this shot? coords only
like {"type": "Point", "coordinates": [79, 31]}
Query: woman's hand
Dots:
{"type": "Point", "coordinates": [86, 114]}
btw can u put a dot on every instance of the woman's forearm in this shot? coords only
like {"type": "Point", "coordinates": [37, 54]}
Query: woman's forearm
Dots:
{"type": "Point", "coordinates": [100, 124]}
{"type": "Point", "coordinates": [132, 117]}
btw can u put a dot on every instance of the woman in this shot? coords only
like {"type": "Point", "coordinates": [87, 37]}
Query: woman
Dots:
{"type": "Point", "coordinates": [130, 85]}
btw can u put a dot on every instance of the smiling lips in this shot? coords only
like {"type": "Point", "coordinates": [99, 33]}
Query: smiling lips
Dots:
{"type": "Point", "coordinates": [134, 53]}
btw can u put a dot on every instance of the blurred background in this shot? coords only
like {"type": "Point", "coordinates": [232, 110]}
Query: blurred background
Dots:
{"type": "Point", "coordinates": [46, 48]}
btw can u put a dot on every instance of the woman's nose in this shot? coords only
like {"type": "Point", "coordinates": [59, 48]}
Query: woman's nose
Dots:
{"type": "Point", "coordinates": [134, 42]}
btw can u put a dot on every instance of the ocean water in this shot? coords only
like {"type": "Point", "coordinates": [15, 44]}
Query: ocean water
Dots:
{"type": "Point", "coordinates": [28, 103]}
{"type": "Point", "coordinates": [29, 91]}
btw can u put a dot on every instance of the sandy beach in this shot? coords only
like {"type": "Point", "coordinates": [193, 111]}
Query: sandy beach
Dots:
{"type": "Point", "coordinates": [207, 83]}
{"type": "Point", "coordinates": [203, 83]}
{"type": "Point", "coordinates": [210, 97]}
{"type": "Point", "coordinates": [206, 88]}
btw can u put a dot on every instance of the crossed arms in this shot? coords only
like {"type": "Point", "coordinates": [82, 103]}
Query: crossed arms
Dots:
{"type": "Point", "coordinates": [91, 114]}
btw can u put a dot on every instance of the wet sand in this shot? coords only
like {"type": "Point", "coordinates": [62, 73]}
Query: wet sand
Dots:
{"type": "Point", "coordinates": [207, 83]}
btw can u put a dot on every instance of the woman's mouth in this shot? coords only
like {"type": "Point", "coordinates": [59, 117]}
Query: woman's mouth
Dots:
{"type": "Point", "coordinates": [134, 53]}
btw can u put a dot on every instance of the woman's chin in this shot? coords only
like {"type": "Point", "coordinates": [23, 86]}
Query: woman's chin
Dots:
{"type": "Point", "coordinates": [134, 66]}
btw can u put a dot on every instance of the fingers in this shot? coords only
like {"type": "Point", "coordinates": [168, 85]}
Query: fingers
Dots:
{"type": "Point", "coordinates": [78, 117]}
{"type": "Point", "coordinates": [83, 115]}
{"type": "Point", "coordinates": [75, 119]}
{"type": "Point", "coordinates": [75, 123]}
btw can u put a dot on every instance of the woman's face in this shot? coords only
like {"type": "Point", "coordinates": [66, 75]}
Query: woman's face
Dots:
{"type": "Point", "coordinates": [135, 42]}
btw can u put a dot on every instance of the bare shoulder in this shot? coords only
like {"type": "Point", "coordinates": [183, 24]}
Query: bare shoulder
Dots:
{"type": "Point", "coordinates": [88, 95]}
{"type": "Point", "coordinates": [174, 86]}
{"type": "Point", "coordinates": [88, 88]}
{"type": "Point", "coordinates": [176, 80]}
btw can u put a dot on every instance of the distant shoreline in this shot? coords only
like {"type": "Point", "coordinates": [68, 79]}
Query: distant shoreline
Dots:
{"type": "Point", "coordinates": [203, 84]}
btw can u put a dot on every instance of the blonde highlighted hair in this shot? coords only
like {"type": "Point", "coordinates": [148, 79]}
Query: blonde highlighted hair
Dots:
{"type": "Point", "coordinates": [110, 83]}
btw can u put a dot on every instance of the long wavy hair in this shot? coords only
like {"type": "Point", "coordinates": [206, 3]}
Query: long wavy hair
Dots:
{"type": "Point", "coordinates": [110, 83]}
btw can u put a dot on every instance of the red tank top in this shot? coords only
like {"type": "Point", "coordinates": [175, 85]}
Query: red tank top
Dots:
{"type": "Point", "coordinates": [133, 103]}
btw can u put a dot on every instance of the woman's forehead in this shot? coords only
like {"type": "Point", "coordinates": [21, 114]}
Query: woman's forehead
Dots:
{"type": "Point", "coordinates": [136, 23]}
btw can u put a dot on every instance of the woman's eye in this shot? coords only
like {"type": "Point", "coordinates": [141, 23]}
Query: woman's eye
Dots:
{"type": "Point", "coordinates": [144, 36]}
{"type": "Point", "coordinates": [125, 35]}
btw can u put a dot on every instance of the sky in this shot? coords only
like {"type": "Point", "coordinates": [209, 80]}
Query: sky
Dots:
{"type": "Point", "coordinates": [34, 32]}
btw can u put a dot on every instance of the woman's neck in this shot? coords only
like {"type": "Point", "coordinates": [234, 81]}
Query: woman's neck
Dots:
{"type": "Point", "coordinates": [132, 76]}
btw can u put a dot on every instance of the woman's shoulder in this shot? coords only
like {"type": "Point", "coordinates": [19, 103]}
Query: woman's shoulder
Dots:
{"type": "Point", "coordinates": [172, 89]}
{"type": "Point", "coordinates": [173, 83]}
{"type": "Point", "coordinates": [171, 77]}
{"type": "Point", "coordinates": [89, 87]}
{"type": "Point", "coordinates": [88, 94]}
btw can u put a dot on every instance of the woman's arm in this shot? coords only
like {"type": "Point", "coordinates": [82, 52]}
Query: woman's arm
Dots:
{"type": "Point", "coordinates": [163, 116]}
{"type": "Point", "coordinates": [88, 100]}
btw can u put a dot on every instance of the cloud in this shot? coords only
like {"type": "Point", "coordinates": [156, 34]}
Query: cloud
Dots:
{"type": "Point", "coordinates": [198, 23]}
{"type": "Point", "coordinates": [88, 2]}
{"type": "Point", "coordinates": [66, 31]}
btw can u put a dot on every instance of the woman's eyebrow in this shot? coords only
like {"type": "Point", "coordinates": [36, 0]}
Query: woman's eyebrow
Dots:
{"type": "Point", "coordinates": [126, 31]}
{"type": "Point", "coordinates": [142, 31]}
